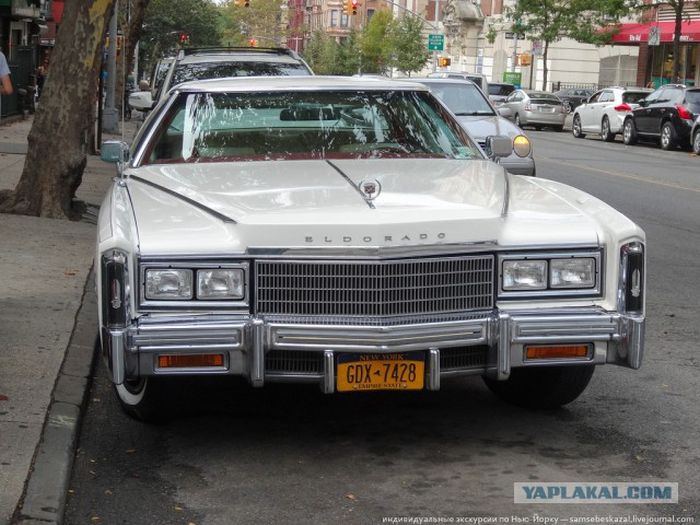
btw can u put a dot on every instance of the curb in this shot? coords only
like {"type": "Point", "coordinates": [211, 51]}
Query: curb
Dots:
{"type": "Point", "coordinates": [46, 487]}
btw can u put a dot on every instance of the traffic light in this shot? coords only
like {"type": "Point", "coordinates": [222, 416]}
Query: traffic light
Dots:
{"type": "Point", "coordinates": [252, 42]}
{"type": "Point", "coordinates": [444, 61]}
{"type": "Point", "coordinates": [351, 7]}
{"type": "Point", "coordinates": [184, 39]}
{"type": "Point", "coordinates": [525, 59]}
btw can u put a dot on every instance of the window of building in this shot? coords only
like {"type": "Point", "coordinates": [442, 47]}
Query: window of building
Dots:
{"type": "Point", "coordinates": [334, 18]}
{"type": "Point", "coordinates": [344, 20]}
{"type": "Point", "coordinates": [370, 12]}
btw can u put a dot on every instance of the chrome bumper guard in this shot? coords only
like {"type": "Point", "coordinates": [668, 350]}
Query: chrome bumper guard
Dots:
{"type": "Point", "coordinates": [246, 342]}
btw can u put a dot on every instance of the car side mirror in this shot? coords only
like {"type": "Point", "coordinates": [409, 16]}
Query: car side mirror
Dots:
{"type": "Point", "coordinates": [503, 111]}
{"type": "Point", "coordinates": [114, 151]}
{"type": "Point", "coordinates": [141, 101]}
{"type": "Point", "coordinates": [500, 146]}
{"type": "Point", "coordinates": [643, 103]}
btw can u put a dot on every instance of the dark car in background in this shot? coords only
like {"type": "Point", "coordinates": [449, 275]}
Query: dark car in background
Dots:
{"type": "Point", "coordinates": [666, 115]}
{"type": "Point", "coordinates": [573, 97]}
{"type": "Point", "coordinates": [499, 91]}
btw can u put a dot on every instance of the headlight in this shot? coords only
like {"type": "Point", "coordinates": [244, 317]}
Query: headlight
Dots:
{"type": "Point", "coordinates": [169, 284]}
{"type": "Point", "coordinates": [572, 273]}
{"type": "Point", "coordinates": [524, 275]}
{"type": "Point", "coordinates": [521, 146]}
{"type": "Point", "coordinates": [220, 284]}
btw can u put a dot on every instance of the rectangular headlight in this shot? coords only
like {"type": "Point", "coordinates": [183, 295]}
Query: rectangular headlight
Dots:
{"type": "Point", "coordinates": [168, 284]}
{"type": "Point", "coordinates": [578, 272]}
{"type": "Point", "coordinates": [221, 283]}
{"type": "Point", "coordinates": [525, 275]}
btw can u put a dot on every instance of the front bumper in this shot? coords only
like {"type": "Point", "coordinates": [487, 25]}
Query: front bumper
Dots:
{"type": "Point", "coordinates": [271, 349]}
{"type": "Point", "coordinates": [539, 117]}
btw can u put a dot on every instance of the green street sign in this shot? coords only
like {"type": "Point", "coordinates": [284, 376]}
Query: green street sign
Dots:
{"type": "Point", "coordinates": [436, 42]}
{"type": "Point", "coordinates": [511, 77]}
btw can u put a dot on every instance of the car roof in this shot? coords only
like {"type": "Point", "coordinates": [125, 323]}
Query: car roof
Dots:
{"type": "Point", "coordinates": [297, 83]}
{"type": "Point", "coordinates": [237, 57]}
{"type": "Point", "coordinates": [436, 80]}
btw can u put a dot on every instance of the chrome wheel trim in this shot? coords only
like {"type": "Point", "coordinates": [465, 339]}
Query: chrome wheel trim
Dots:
{"type": "Point", "coordinates": [627, 131]}
{"type": "Point", "coordinates": [576, 127]}
{"type": "Point", "coordinates": [605, 128]}
{"type": "Point", "coordinates": [696, 143]}
{"type": "Point", "coordinates": [665, 136]}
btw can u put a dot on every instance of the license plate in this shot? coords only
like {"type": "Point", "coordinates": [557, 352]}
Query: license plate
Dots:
{"type": "Point", "coordinates": [380, 372]}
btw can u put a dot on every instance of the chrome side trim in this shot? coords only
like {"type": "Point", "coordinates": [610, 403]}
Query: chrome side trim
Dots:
{"type": "Point", "coordinates": [565, 328]}
{"type": "Point", "coordinates": [433, 372]}
{"type": "Point", "coordinates": [328, 385]}
{"type": "Point", "coordinates": [504, 341]}
{"type": "Point", "coordinates": [257, 358]}
{"type": "Point", "coordinates": [370, 252]}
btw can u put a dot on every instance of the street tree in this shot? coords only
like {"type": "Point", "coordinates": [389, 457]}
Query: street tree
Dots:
{"type": "Point", "coordinates": [261, 20]}
{"type": "Point", "coordinates": [408, 45]}
{"type": "Point", "coordinates": [376, 42]}
{"type": "Point", "coordinates": [551, 20]}
{"type": "Point", "coordinates": [165, 20]}
{"type": "Point", "coordinates": [321, 53]}
{"type": "Point", "coordinates": [56, 157]}
{"type": "Point", "coordinates": [137, 15]}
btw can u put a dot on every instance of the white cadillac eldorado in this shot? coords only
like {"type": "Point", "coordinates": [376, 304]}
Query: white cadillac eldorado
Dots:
{"type": "Point", "coordinates": [347, 232]}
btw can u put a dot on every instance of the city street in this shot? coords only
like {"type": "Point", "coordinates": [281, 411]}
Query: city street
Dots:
{"type": "Point", "coordinates": [289, 454]}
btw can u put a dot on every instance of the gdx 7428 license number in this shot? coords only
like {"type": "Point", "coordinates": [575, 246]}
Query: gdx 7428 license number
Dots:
{"type": "Point", "coordinates": [380, 372]}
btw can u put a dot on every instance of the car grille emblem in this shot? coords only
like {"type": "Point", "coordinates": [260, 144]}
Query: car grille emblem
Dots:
{"type": "Point", "coordinates": [370, 189]}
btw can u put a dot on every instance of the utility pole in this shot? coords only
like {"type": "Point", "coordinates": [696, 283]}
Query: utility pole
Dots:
{"type": "Point", "coordinates": [110, 116]}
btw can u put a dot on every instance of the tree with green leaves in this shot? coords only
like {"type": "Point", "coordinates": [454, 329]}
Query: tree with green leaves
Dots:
{"type": "Point", "coordinates": [166, 19]}
{"type": "Point", "coordinates": [321, 53]}
{"type": "Point", "coordinates": [408, 45]}
{"type": "Point", "coordinates": [261, 20]}
{"type": "Point", "coordinates": [551, 20]}
{"type": "Point", "coordinates": [376, 43]}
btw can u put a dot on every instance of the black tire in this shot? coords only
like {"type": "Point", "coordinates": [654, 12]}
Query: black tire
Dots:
{"type": "Point", "coordinates": [542, 387]}
{"type": "Point", "coordinates": [629, 132]}
{"type": "Point", "coordinates": [516, 119]}
{"type": "Point", "coordinates": [576, 127]}
{"type": "Point", "coordinates": [605, 133]}
{"type": "Point", "coordinates": [696, 142]}
{"type": "Point", "coordinates": [143, 400]}
{"type": "Point", "coordinates": [668, 138]}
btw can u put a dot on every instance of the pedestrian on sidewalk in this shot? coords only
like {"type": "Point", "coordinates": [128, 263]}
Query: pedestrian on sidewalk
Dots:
{"type": "Point", "coordinates": [5, 82]}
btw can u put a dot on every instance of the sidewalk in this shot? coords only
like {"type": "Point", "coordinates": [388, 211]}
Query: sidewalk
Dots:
{"type": "Point", "coordinates": [44, 265]}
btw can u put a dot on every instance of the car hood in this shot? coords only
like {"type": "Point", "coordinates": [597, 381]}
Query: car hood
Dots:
{"type": "Point", "coordinates": [481, 126]}
{"type": "Point", "coordinates": [231, 207]}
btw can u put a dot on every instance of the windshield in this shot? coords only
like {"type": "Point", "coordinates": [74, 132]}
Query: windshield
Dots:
{"type": "Point", "coordinates": [235, 68]}
{"type": "Point", "coordinates": [633, 97]}
{"type": "Point", "coordinates": [502, 90]}
{"type": "Point", "coordinates": [207, 127]}
{"type": "Point", "coordinates": [549, 97]}
{"type": "Point", "coordinates": [693, 99]}
{"type": "Point", "coordinates": [462, 99]}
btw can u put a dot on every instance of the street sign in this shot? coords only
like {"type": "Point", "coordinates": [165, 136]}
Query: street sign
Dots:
{"type": "Point", "coordinates": [511, 77]}
{"type": "Point", "coordinates": [536, 47]}
{"type": "Point", "coordinates": [436, 42]}
{"type": "Point", "coordinates": [654, 36]}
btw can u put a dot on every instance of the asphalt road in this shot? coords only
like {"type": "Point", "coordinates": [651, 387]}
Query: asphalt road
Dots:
{"type": "Point", "coordinates": [292, 455]}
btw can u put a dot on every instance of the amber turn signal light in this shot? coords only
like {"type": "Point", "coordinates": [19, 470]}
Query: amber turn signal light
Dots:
{"type": "Point", "coordinates": [556, 351]}
{"type": "Point", "coordinates": [190, 361]}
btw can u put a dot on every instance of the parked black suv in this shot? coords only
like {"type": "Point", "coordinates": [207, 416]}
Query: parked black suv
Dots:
{"type": "Point", "coordinates": [666, 115]}
{"type": "Point", "coordinates": [573, 98]}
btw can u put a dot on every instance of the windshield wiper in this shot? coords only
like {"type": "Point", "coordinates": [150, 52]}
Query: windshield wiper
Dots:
{"type": "Point", "coordinates": [473, 113]}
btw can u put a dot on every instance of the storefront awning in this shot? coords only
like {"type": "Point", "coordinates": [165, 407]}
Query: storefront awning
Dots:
{"type": "Point", "coordinates": [632, 34]}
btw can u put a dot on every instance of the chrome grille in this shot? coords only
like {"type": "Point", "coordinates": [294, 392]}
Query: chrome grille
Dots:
{"type": "Point", "coordinates": [294, 362]}
{"type": "Point", "coordinates": [375, 288]}
{"type": "Point", "coordinates": [464, 357]}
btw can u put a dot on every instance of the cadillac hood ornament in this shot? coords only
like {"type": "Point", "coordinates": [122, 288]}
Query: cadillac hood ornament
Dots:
{"type": "Point", "coordinates": [370, 189]}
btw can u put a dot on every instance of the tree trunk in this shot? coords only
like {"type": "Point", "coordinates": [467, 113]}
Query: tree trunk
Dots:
{"type": "Point", "coordinates": [545, 71]}
{"type": "Point", "coordinates": [677, 42]}
{"type": "Point", "coordinates": [56, 157]}
{"type": "Point", "coordinates": [138, 13]}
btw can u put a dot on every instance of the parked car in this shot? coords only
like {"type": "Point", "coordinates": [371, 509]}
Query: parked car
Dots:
{"type": "Point", "coordinates": [213, 62]}
{"type": "Point", "coordinates": [480, 119]}
{"type": "Point", "coordinates": [605, 112]}
{"type": "Point", "coordinates": [533, 108]}
{"type": "Point", "coordinates": [477, 78]}
{"type": "Point", "coordinates": [666, 116]}
{"type": "Point", "coordinates": [573, 98]}
{"type": "Point", "coordinates": [348, 233]}
{"type": "Point", "coordinates": [498, 92]}
{"type": "Point", "coordinates": [695, 136]}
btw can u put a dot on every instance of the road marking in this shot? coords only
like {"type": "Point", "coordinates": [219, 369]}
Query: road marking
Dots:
{"type": "Point", "coordinates": [620, 175]}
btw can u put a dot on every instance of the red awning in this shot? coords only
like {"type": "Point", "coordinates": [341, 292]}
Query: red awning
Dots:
{"type": "Point", "coordinates": [632, 34]}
